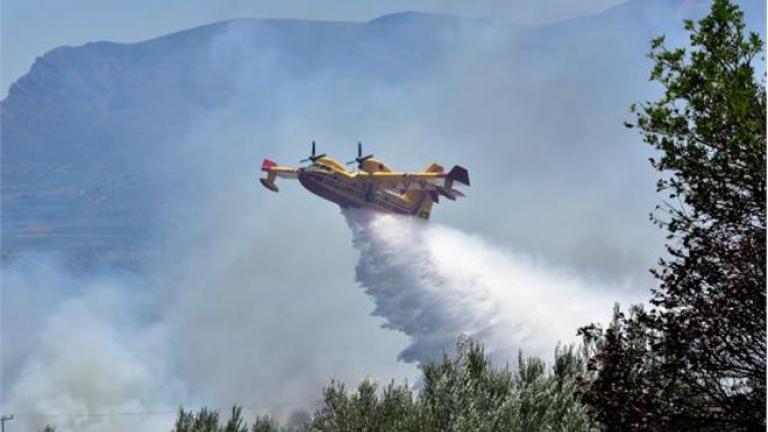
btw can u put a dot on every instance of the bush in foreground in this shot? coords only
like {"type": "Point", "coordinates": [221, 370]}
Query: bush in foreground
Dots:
{"type": "Point", "coordinates": [464, 392]}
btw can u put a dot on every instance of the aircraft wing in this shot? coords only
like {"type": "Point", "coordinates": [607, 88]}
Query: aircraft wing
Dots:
{"type": "Point", "coordinates": [427, 181]}
{"type": "Point", "coordinates": [273, 171]}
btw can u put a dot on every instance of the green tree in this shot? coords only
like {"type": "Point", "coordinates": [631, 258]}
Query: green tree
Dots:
{"type": "Point", "coordinates": [208, 420]}
{"type": "Point", "coordinates": [265, 424]}
{"type": "Point", "coordinates": [236, 423]}
{"type": "Point", "coordinates": [696, 359]}
{"type": "Point", "coordinates": [366, 409]}
{"type": "Point", "coordinates": [465, 392]}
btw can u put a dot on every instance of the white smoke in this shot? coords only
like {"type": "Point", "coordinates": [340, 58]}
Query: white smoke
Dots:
{"type": "Point", "coordinates": [433, 283]}
{"type": "Point", "coordinates": [89, 351]}
{"type": "Point", "coordinates": [98, 349]}
{"type": "Point", "coordinates": [120, 352]}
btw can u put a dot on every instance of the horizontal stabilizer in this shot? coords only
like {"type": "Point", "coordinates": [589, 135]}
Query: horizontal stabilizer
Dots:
{"type": "Point", "coordinates": [451, 194]}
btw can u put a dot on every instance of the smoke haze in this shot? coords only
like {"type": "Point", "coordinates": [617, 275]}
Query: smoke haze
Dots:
{"type": "Point", "coordinates": [89, 347]}
{"type": "Point", "coordinates": [116, 352]}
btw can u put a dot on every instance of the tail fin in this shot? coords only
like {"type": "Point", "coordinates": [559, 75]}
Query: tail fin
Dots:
{"type": "Point", "coordinates": [459, 174]}
{"type": "Point", "coordinates": [423, 200]}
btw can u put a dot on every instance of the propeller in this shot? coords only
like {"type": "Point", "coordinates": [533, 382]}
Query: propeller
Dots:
{"type": "Point", "coordinates": [313, 157]}
{"type": "Point", "coordinates": [360, 158]}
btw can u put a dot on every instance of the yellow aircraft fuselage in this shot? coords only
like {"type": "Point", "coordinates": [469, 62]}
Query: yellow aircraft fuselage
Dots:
{"type": "Point", "coordinates": [357, 189]}
{"type": "Point", "coordinates": [373, 185]}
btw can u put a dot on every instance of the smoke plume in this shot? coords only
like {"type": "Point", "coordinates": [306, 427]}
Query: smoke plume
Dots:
{"type": "Point", "coordinates": [87, 349]}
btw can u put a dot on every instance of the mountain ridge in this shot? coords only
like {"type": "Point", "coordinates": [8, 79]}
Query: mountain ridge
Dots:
{"type": "Point", "coordinates": [108, 134]}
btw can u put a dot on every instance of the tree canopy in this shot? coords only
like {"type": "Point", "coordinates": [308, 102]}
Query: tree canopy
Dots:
{"type": "Point", "coordinates": [465, 392]}
{"type": "Point", "coordinates": [696, 359]}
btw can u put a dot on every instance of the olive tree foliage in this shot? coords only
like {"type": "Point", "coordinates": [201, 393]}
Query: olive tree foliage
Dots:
{"type": "Point", "coordinates": [695, 360]}
{"type": "Point", "coordinates": [464, 392]}
{"type": "Point", "coordinates": [207, 420]}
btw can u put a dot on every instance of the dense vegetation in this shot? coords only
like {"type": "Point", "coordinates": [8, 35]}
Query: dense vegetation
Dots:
{"type": "Point", "coordinates": [696, 359]}
{"type": "Point", "coordinates": [461, 393]}
{"type": "Point", "coordinates": [206, 420]}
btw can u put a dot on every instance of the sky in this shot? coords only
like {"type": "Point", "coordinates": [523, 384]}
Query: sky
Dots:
{"type": "Point", "coordinates": [29, 28]}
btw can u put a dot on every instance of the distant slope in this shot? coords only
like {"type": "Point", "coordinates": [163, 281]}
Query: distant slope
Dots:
{"type": "Point", "coordinates": [105, 145]}
{"type": "Point", "coordinates": [84, 129]}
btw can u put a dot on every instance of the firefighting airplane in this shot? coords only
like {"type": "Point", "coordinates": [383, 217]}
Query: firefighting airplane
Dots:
{"type": "Point", "coordinates": [373, 185]}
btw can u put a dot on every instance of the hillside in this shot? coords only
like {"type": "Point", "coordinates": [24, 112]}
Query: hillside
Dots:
{"type": "Point", "coordinates": [107, 145]}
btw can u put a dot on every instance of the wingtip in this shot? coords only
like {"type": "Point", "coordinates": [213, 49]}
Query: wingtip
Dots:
{"type": "Point", "coordinates": [267, 164]}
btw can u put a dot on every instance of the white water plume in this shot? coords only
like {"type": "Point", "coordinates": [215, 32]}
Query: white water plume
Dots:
{"type": "Point", "coordinates": [434, 283]}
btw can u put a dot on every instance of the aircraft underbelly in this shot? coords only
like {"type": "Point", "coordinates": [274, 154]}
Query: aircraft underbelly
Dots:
{"type": "Point", "coordinates": [348, 194]}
